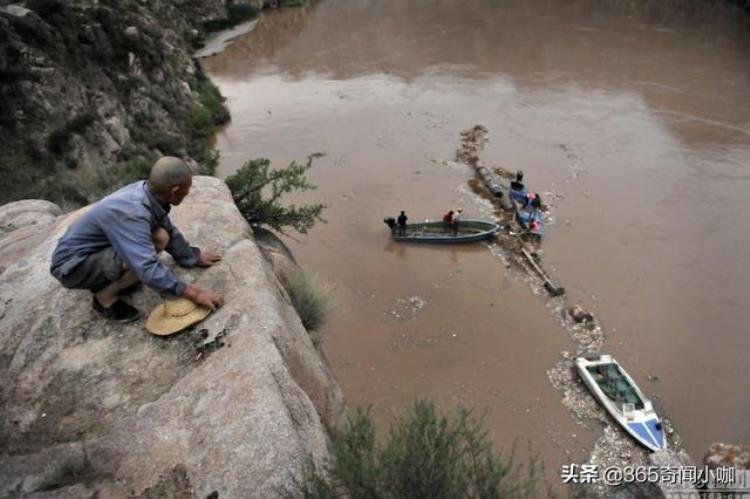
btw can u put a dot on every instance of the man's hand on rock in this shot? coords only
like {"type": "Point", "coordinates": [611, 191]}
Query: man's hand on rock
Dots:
{"type": "Point", "coordinates": [204, 297]}
{"type": "Point", "coordinates": [207, 259]}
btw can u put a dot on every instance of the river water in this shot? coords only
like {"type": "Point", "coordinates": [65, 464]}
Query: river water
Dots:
{"type": "Point", "coordinates": [635, 115]}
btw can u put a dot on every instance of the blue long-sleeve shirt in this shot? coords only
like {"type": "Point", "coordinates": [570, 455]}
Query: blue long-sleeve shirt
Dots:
{"type": "Point", "coordinates": [125, 220]}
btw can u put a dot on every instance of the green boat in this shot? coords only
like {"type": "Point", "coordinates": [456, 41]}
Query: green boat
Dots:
{"type": "Point", "coordinates": [469, 231]}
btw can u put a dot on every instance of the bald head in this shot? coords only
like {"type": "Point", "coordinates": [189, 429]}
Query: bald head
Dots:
{"type": "Point", "coordinates": [170, 179]}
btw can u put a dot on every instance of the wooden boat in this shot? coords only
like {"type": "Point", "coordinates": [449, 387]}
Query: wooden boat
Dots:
{"type": "Point", "coordinates": [469, 231]}
{"type": "Point", "coordinates": [622, 398]}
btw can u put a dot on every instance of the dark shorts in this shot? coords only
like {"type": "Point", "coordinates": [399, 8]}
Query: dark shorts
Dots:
{"type": "Point", "coordinates": [96, 272]}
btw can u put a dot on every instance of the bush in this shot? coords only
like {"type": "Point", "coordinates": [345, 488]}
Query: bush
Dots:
{"type": "Point", "coordinates": [193, 38]}
{"type": "Point", "coordinates": [308, 299]}
{"type": "Point", "coordinates": [210, 97]}
{"type": "Point", "coordinates": [21, 173]}
{"type": "Point", "coordinates": [236, 14]}
{"type": "Point", "coordinates": [45, 8]}
{"type": "Point", "coordinates": [58, 140]}
{"type": "Point", "coordinates": [256, 176]}
{"type": "Point", "coordinates": [426, 455]}
{"type": "Point", "coordinates": [208, 111]}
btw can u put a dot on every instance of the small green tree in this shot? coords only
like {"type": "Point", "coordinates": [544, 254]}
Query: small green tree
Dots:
{"type": "Point", "coordinates": [257, 189]}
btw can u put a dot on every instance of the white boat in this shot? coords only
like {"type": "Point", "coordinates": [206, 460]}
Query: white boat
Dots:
{"type": "Point", "coordinates": [619, 394]}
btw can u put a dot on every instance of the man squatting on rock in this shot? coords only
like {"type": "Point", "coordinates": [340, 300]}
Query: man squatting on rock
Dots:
{"type": "Point", "coordinates": [115, 244]}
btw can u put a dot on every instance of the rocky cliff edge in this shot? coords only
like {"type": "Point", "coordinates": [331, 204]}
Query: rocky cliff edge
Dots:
{"type": "Point", "coordinates": [235, 405]}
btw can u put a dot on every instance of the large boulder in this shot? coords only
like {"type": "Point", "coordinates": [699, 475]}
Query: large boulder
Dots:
{"type": "Point", "coordinates": [27, 212]}
{"type": "Point", "coordinates": [21, 243]}
{"type": "Point", "coordinates": [731, 467]}
{"type": "Point", "coordinates": [23, 226]}
{"type": "Point", "coordinates": [237, 404]}
{"type": "Point", "coordinates": [728, 455]}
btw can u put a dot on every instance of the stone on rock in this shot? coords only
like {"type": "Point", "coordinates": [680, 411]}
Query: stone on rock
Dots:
{"type": "Point", "coordinates": [16, 10]}
{"type": "Point", "coordinates": [131, 32]}
{"type": "Point", "coordinates": [117, 130]}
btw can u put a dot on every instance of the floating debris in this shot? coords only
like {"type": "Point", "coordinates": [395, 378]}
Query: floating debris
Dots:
{"type": "Point", "coordinates": [407, 307]}
{"type": "Point", "coordinates": [473, 141]}
{"type": "Point", "coordinates": [578, 314]}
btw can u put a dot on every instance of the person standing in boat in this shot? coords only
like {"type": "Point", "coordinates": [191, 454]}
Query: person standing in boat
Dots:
{"type": "Point", "coordinates": [402, 218]}
{"type": "Point", "coordinates": [517, 184]}
{"type": "Point", "coordinates": [456, 221]}
{"type": "Point", "coordinates": [448, 221]}
{"type": "Point", "coordinates": [518, 191]}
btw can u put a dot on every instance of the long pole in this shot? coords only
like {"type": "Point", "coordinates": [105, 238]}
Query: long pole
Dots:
{"type": "Point", "coordinates": [550, 286]}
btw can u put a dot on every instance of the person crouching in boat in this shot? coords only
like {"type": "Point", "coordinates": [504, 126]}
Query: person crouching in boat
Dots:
{"type": "Point", "coordinates": [448, 221]}
{"type": "Point", "coordinates": [533, 203]}
{"type": "Point", "coordinates": [456, 221]}
{"type": "Point", "coordinates": [402, 218]}
{"type": "Point", "coordinates": [533, 215]}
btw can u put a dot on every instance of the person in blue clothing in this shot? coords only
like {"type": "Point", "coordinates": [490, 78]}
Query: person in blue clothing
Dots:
{"type": "Point", "coordinates": [115, 244]}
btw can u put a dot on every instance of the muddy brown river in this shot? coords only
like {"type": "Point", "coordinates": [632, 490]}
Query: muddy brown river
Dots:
{"type": "Point", "coordinates": [632, 117]}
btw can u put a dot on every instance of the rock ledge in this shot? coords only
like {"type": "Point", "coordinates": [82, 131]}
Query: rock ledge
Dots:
{"type": "Point", "coordinates": [235, 405]}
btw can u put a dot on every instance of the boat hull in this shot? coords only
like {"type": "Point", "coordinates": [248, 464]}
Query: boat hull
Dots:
{"type": "Point", "coordinates": [470, 231]}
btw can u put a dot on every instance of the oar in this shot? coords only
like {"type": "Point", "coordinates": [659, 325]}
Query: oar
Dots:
{"type": "Point", "coordinates": [550, 286]}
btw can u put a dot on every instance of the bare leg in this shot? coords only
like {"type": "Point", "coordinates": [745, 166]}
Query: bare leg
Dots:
{"type": "Point", "coordinates": [108, 295]}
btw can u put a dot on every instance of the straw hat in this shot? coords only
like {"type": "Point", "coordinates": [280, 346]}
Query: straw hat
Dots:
{"type": "Point", "coordinates": [175, 315]}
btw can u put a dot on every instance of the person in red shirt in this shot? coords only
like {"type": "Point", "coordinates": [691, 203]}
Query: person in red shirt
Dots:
{"type": "Point", "coordinates": [448, 220]}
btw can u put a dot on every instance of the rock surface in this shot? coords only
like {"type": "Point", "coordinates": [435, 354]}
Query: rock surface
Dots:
{"type": "Point", "coordinates": [727, 455]}
{"type": "Point", "coordinates": [236, 405]}
{"type": "Point", "coordinates": [24, 225]}
{"type": "Point", "coordinates": [27, 212]}
{"type": "Point", "coordinates": [731, 467]}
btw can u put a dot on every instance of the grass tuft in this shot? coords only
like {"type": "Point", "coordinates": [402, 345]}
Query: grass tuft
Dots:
{"type": "Point", "coordinates": [310, 302]}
